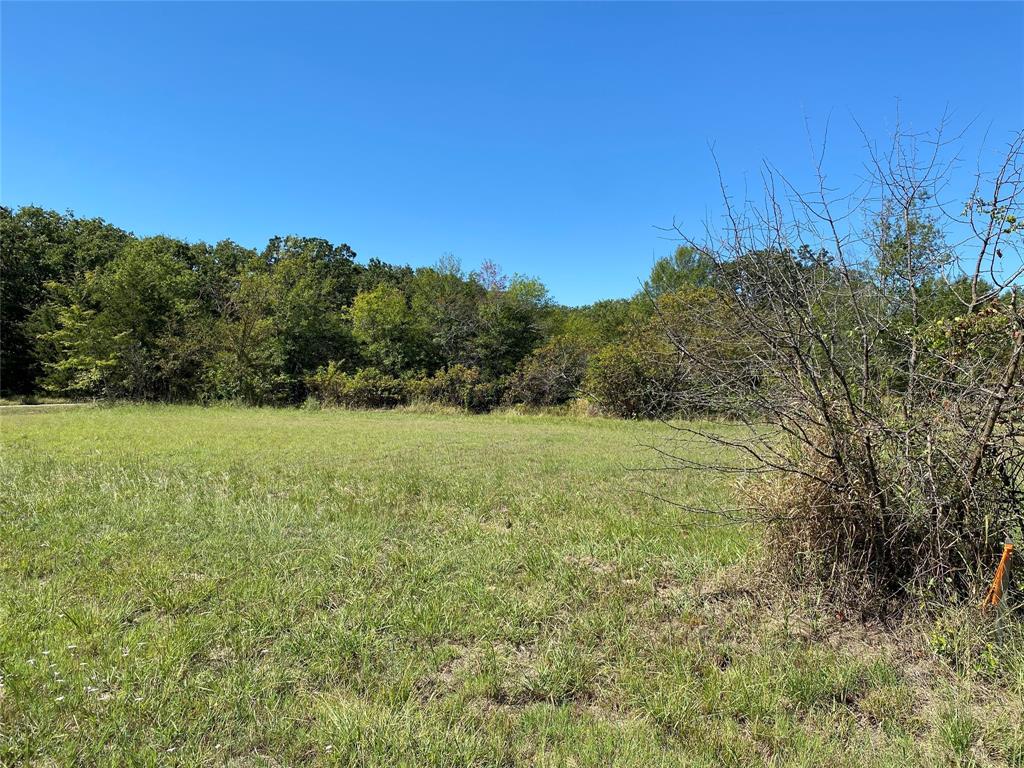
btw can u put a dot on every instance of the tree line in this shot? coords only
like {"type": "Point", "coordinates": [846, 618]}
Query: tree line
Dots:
{"type": "Point", "coordinates": [90, 310]}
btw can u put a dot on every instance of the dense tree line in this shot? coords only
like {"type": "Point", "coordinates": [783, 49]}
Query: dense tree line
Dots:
{"type": "Point", "coordinates": [90, 310]}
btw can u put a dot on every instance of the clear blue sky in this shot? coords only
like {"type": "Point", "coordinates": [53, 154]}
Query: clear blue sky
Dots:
{"type": "Point", "coordinates": [551, 138]}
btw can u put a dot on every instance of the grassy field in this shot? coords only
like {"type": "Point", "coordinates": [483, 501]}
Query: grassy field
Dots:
{"type": "Point", "coordinates": [282, 587]}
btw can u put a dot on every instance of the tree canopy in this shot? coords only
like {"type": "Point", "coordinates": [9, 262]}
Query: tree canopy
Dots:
{"type": "Point", "coordinates": [90, 310]}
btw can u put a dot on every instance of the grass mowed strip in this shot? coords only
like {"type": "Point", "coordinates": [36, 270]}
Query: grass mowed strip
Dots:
{"type": "Point", "coordinates": [220, 586]}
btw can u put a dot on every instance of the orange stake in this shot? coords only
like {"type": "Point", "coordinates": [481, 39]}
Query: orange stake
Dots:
{"type": "Point", "coordinates": [995, 591]}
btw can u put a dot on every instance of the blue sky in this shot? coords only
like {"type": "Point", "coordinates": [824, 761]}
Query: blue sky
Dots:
{"type": "Point", "coordinates": [551, 138]}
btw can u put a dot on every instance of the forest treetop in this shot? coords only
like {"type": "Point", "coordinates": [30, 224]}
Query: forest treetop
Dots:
{"type": "Point", "coordinates": [89, 309]}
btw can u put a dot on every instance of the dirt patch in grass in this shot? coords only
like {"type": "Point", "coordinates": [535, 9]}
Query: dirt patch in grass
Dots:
{"type": "Point", "coordinates": [592, 564]}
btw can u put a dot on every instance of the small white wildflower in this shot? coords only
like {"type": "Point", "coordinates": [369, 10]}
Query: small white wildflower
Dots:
{"type": "Point", "coordinates": [328, 748]}
{"type": "Point", "coordinates": [59, 698]}
{"type": "Point", "coordinates": [71, 647]}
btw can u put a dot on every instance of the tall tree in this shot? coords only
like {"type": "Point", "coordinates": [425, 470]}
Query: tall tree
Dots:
{"type": "Point", "coordinates": [391, 337]}
{"type": "Point", "coordinates": [38, 249]}
{"type": "Point", "coordinates": [121, 321]}
{"type": "Point", "coordinates": [511, 315]}
{"type": "Point", "coordinates": [312, 283]}
{"type": "Point", "coordinates": [445, 305]}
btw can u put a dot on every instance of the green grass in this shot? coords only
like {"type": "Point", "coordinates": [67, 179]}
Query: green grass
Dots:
{"type": "Point", "coordinates": [244, 587]}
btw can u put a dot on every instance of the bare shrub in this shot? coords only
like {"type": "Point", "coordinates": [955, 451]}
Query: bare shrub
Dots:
{"type": "Point", "coordinates": [873, 360]}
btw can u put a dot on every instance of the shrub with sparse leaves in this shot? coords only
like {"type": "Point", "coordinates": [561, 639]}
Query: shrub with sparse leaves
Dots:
{"type": "Point", "coordinates": [877, 372]}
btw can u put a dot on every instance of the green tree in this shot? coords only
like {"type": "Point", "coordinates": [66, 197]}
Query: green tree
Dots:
{"type": "Point", "coordinates": [77, 359]}
{"type": "Point", "coordinates": [311, 284]}
{"type": "Point", "coordinates": [248, 357]}
{"type": "Point", "coordinates": [602, 322]}
{"type": "Point", "coordinates": [445, 306]}
{"type": "Point", "coordinates": [511, 317]}
{"type": "Point", "coordinates": [41, 249]}
{"type": "Point", "coordinates": [387, 330]}
{"type": "Point", "coordinates": [377, 272]}
{"type": "Point", "coordinates": [117, 325]}
{"type": "Point", "coordinates": [685, 267]}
